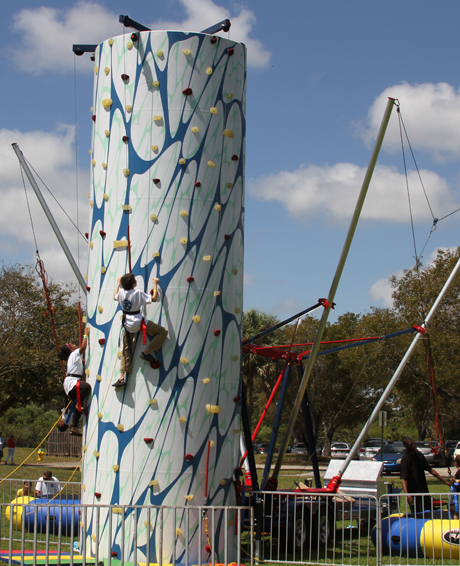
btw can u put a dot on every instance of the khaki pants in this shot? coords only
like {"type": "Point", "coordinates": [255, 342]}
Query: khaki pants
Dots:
{"type": "Point", "coordinates": [129, 341]}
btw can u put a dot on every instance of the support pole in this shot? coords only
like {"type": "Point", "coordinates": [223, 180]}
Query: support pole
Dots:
{"type": "Point", "coordinates": [335, 283]}
{"type": "Point", "coordinates": [51, 220]}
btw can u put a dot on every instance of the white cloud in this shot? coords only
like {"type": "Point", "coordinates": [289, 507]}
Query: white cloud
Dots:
{"type": "Point", "coordinates": [431, 113]}
{"type": "Point", "coordinates": [47, 34]}
{"type": "Point", "coordinates": [382, 291]}
{"type": "Point", "coordinates": [289, 306]}
{"type": "Point", "coordinates": [331, 191]}
{"type": "Point", "coordinates": [249, 280]}
{"type": "Point", "coordinates": [52, 156]}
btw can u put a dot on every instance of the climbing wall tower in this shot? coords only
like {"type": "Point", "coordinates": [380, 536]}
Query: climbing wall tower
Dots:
{"type": "Point", "coordinates": [167, 191]}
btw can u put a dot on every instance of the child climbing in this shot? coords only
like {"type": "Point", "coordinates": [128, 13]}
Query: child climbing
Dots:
{"type": "Point", "coordinates": [75, 386]}
{"type": "Point", "coordinates": [131, 301]}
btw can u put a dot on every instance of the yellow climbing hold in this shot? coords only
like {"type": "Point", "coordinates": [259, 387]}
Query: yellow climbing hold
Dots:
{"type": "Point", "coordinates": [117, 510]}
{"type": "Point", "coordinates": [237, 310]}
{"type": "Point", "coordinates": [107, 70]}
{"type": "Point", "coordinates": [100, 309]}
{"type": "Point", "coordinates": [126, 172]}
{"type": "Point", "coordinates": [152, 401]}
{"type": "Point", "coordinates": [178, 532]}
{"type": "Point", "coordinates": [206, 380]}
{"type": "Point", "coordinates": [87, 371]}
{"type": "Point", "coordinates": [126, 207]}
{"type": "Point", "coordinates": [182, 420]}
{"type": "Point", "coordinates": [84, 448]}
{"type": "Point", "coordinates": [235, 358]}
{"type": "Point", "coordinates": [96, 69]}
{"type": "Point", "coordinates": [93, 536]}
{"type": "Point", "coordinates": [129, 45]}
{"type": "Point", "coordinates": [223, 482]}
{"type": "Point", "coordinates": [157, 118]}
{"type": "Point", "coordinates": [115, 468]}
{"type": "Point", "coordinates": [186, 52]}
{"type": "Point", "coordinates": [207, 258]}
{"type": "Point", "coordinates": [184, 360]}
{"type": "Point", "coordinates": [160, 53]}
{"type": "Point", "coordinates": [105, 196]}
{"type": "Point", "coordinates": [153, 217]}
{"type": "Point", "coordinates": [213, 110]}
{"type": "Point", "coordinates": [195, 129]}
{"type": "Point", "coordinates": [96, 454]}
{"type": "Point", "coordinates": [211, 443]}
{"type": "Point", "coordinates": [236, 431]}
{"type": "Point", "coordinates": [154, 147]}
{"type": "Point", "coordinates": [91, 112]}
{"type": "Point", "coordinates": [210, 164]}
{"type": "Point", "coordinates": [217, 207]}
{"type": "Point", "coordinates": [182, 161]}
{"type": "Point", "coordinates": [121, 427]}
{"type": "Point", "coordinates": [93, 162]}
{"type": "Point", "coordinates": [229, 185]}
{"type": "Point", "coordinates": [103, 269]}
{"type": "Point", "coordinates": [129, 107]}
{"type": "Point", "coordinates": [215, 409]}
{"type": "Point", "coordinates": [91, 245]}
{"type": "Point", "coordinates": [184, 213]}
{"type": "Point", "coordinates": [156, 84]}
{"type": "Point", "coordinates": [90, 151]}
{"type": "Point", "coordinates": [229, 96]}
{"type": "Point", "coordinates": [216, 293]}
{"type": "Point", "coordinates": [110, 42]}
{"type": "Point", "coordinates": [153, 482]}
{"type": "Point", "coordinates": [209, 71]}
{"type": "Point", "coordinates": [107, 102]}
{"type": "Point", "coordinates": [107, 133]}
{"type": "Point", "coordinates": [183, 241]}
{"type": "Point", "coordinates": [235, 271]}
{"type": "Point", "coordinates": [83, 487]}
{"type": "Point", "coordinates": [196, 318]}
{"type": "Point", "coordinates": [99, 377]}
{"type": "Point", "coordinates": [104, 166]}
{"type": "Point", "coordinates": [156, 254]}
{"type": "Point", "coordinates": [189, 497]}
{"type": "Point", "coordinates": [120, 244]}
{"type": "Point", "coordinates": [99, 416]}
{"type": "Point", "coordinates": [228, 133]}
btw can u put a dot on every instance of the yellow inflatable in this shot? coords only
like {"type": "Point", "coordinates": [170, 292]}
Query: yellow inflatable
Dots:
{"type": "Point", "coordinates": [440, 538]}
{"type": "Point", "coordinates": [16, 510]}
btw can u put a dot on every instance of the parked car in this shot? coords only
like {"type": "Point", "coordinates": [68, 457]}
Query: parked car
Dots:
{"type": "Point", "coordinates": [263, 448]}
{"type": "Point", "coordinates": [370, 447]}
{"type": "Point", "coordinates": [340, 450]}
{"type": "Point", "coordinates": [435, 456]}
{"type": "Point", "coordinates": [299, 448]}
{"type": "Point", "coordinates": [457, 449]}
{"type": "Point", "coordinates": [392, 454]}
{"type": "Point", "coordinates": [451, 445]}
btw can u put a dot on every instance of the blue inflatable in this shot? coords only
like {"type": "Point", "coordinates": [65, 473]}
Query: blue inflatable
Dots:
{"type": "Point", "coordinates": [52, 512]}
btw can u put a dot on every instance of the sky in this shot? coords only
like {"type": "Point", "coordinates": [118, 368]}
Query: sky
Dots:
{"type": "Point", "coordinates": [318, 78]}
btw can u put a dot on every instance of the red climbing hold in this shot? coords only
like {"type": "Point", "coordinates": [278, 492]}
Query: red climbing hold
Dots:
{"type": "Point", "coordinates": [93, 117]}
{"type": "Point", "coordinates": [208, 548]}
{"type": "Point", "coordinates": [216, 332]}
{"type": "Point", "coordinates": [86, 235]}
{"type": "Point", "coordinates": [148, 440]}
{"type": "Point", "coordinates": [114, 554]}
{"type": "Point", "coordinates": [236, 399]}
{"type": "Point", "coordinates": [190, 279]}
{"type": "Point", "coordinates": [231, 51]}
{"type": "Point", "coordinates": [126, 139]}
{"type": "Point", "coordinates": [88, 288]}
{"type": "Point", "coordinates": [124, 77]}
{"type": "Point", "coordinates": [235, 157]}
{"type": "Point", "coordinates": [213, 40]}
{"type": "Point", "coordinates": [98, 495]}
{"type": "Point", "coordinates": [198, 184]}
{"type": "Point", "coordinates": [189, 457]}
{"type": "Point", "coordinates": [102, 233]}
{"type": "Point", "coordinates": [134, 37]}
{"type": "Point", "coordinates": [101, 341]}
{"type": "Point", "coordinates": [227, 237]}
{"type": "Point", "coordinates": [187, 91]}
{"type": "Point", "coordinates": [156, 181]}
{"type": "Point", "coordinates": [155, 365]}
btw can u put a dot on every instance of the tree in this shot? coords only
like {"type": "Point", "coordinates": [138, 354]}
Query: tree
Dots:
{"type": "Point", "coordinates": [29, 368]}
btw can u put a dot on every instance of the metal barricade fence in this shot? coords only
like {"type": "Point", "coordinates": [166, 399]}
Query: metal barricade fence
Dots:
{"type": "Point", "coordinates": [12, 488]}
{"type": "Point", "coordinates": [185, 535]}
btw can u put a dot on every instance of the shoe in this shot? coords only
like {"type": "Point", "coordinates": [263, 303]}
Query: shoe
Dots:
{"type": "Point", "coordinates": [72, 433]}
{"type": "Point", "coordinates": [148, 358]}
{"type": "Point", "coordinates": [119, 383]}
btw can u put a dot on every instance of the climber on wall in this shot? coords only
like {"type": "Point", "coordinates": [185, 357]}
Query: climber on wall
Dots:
{"type": "Point", "coordinates": [131, 301]}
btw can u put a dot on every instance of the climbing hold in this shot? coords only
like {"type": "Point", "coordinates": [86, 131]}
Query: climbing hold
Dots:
{"type": "Point", "coordinates": [189, 457]}
{"type": "Point", "coordinates": [184, 213]}
{"type": "Point", "coordinates": [96, 69]}
{"type": "Point", "coordinates": [155, 365]}
{"type": "Point", "coordinates": [154, 147]}
{"type": "Point", "coordinates": [125, 139]}
{"type": "Point", "coordinates": [236, 399]}
{"type": "Point", "coordinates": [227, 237]}
{"type": "Point", "coordinates": [184, 360]}
{"type": "Point", "coordinates": [235, 358]}
{"type": "Point", "coordinates": [216, 293]}
{"type": "Point", "coordinates": [129, 107]}
{"type": "Point", "coordinates": [104, 166]}
{"type": "Point", "coordinates": [117, 510]}
{"type": "Point", "coordinates": [235, 157]}
{"type": "Point", "coordinates": [127, 207]}
{"type": "Point", "coordinates": [207, 258]}
{"type": "Point", "coordinates": [120, 244]}
{"type": "Point", "coordinates": [153, 217]}
{"type": "Point", "coordinates": [156, 254]}
{"type": "Point", "coordinates": [206, 380]}
{"type": "Point", "coordinates": [99, 416]}
{"type": "Point", "coordinates": [208, 548]}
{"type": "Point", "coordinates": [211, 443]}
{"type": "Point", "coordinates": [182, 420]}
{"type": "Point", "coordinates": [228, 133]}
{"type": "Point", "coordinates": [217, 207]}
{"type": "Point", "coordinates": [86, 235]}
{"type": "Point", "coordinates": [121, 427]}
{"type": "Point", "coordinates": [114, 554]}
{"type": "Point", "coordinates": [187, 91]}
{"type": "Point", "coordinates": [190, 279]}
{"type": "Point", "coordinates": [93, 117]}
{"type": "Point", "coordinates": [160, 53]}
{"type": "Point", "coordinates": [110, 42]}
{"type": "Point", "coordinates": [84, 448]}
{"type": "Point", "coordinates": [134, 36]}
{"type": "Point", "coordinates": [107, 102]}
{"type": "Point", "coordinates": [229, 96]}
{"type": "Point", "coordinates": [152, 401]}
{"type": "Point", "coordinates": [93, 163]}
{"type": "Point", "coordinates": [210, 164]}
{"type": "Point", "coordinates": [216, 332]}
{"type": "Point", "coordinates": [100, 309]}
{"type": "Point", "coordinates": [148, 440]}
{"type": "Point", "coordinates": [209, 71]}
{"type": "Point", "coordinates": [102, 233]}
{"type": "Point", "coordinates": [196, 318]}
{"type": "Point", "coordinates": [126, 172]}
{"type": "Point", "coordinates": [91, 202]}
{"type": "Point", "coordinates": [107, 133]}
{"type": "Point", "coordinates": [231, 51]}
{"type": "Point", "coordinates": [178, 531]}
{"type": "Point", "coordinates": [156, 181]}
{"type": "Point", "coordinates": [235, 271]}
{"type": "Point", "coordinates": [88, 288]}
{"type": "Point", "coordinates": [107, 70]}
{"type": "Point", "coordinates": [237, 310]}
{"type": "Point", "coordinates": [195, 129]}
{"type": "Point", "coordinates": [223, 482]}
{"type": "Point", "coordinates": [91, 245]}
{"type": "Point", "coordinates": [103, 269]}
{"type": "Point", "coordinates": [197, 184]}
{"type": "Point", "coordinates": [186, 52]}
{"type": "Point", "coordinates": [183, 241]}
{"type": "Point", "coordinates": [96, 454]}
{"type": "Point", "coordinates": [99, 377]}
{"type": "Point", "coordinates": [215, 409]}
{"type": "Point", "coordinates": [87, 371]}
{"type": "Point", "coordinates": [97, 494]}
{"type": "Point", "coordinates": [236, 431]}
{"type": "Point", "coordinates": [101, 341]}
{"type": "Point", "coordinates": [157, 118]}
{"type": "Point", "coordinates": [155, 84]}
{"type": "Point", "coordinates": [130, 45]}
{"type": "Point", "coordinates": [182, 161]}
{"type": "Point", "coordinates": [213, 110]}
{"type": "Point", "coordinates": [213, 40]}
{"type": "Point", "coordinates": [189, 497]}
{"type": "Point", "coordinates": [153, 482]}
{"type": "Point", "coordinates": [229, 185]}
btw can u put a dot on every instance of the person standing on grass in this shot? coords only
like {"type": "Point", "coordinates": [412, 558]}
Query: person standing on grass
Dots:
{"type": "Point", "coordinates": [2, 444]}
{"type": "Point", "coordinates": [11, 447]}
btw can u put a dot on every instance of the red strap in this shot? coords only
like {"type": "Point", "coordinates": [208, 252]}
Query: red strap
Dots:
{"type": "Point", "coordinates": [78, 396]}
{"type": "Point", "coordinates": [144, 332]}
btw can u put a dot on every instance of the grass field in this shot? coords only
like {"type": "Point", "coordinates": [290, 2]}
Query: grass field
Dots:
{"type": "Point", "coordinates": [32, 469]}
